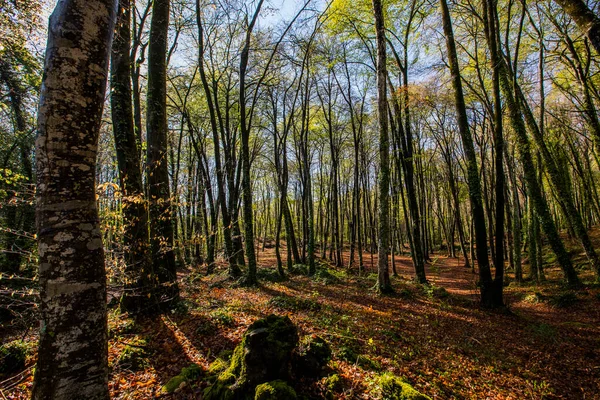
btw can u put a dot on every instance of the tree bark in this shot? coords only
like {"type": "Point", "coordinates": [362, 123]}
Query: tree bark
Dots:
{"type": "Point", "coordinates": [475, 195]}
{"type": "Point", "coordinates": [72, 355]}
{"type": "Point", "coordinates": [384, 284]}
{"type": "Point", "coordinates": [159, 196]}
{"type": "Point", "coordinates": [135, 213]}
{"type": "Point", "coordinates": [585, 19]}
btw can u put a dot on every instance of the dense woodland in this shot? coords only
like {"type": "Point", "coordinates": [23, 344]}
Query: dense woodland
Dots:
{"type": "Point", "coordinates": [409, 185]}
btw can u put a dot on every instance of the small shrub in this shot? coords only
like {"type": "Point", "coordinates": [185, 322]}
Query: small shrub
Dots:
{"type": "Point", "coordinates": [269, 275]}
{"type": "Point", "coordinates": [328, 276]}
{"type": "Point", "coordinates": [563, 300]}
{"type": "Point", "coordinates": [436, 292]}
{"type": "Point", "coordinates": [134, 356]}
{"type": "Point", "coordinates": [333, 383]}
{"type": "Point", "coordinates": [294, 304]}
{"type": "Point", "coordinates": [312, 356]}
{"type": "Point", "coordinates": [12, 357]}
{"type": "Point", "coordinates": [543, 331]}
{"type": "Point", "coordinates": [299, 269]}
{"type": "Point", "coordinates": [534, 298]}
{"type": "Point", "coordinates": [348, 354]}
{"type": "Point", "coordinates": [222, 317]}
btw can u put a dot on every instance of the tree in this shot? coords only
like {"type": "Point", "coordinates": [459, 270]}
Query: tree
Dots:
{"type": "Point", "coordinates": [245, 136]}
{"type": "Point", "coordinates": [384, 284]}
{"type": "Point", "coordinates": [135, 212]}
{"type": "Point", "coordinates": [157, 174]}
{"type": "Point", "coordinates": [72, 356]}
{"type": "Point", "coordinates": [585, 19]}
{"type": "Point", "coordinates": [475, 196]}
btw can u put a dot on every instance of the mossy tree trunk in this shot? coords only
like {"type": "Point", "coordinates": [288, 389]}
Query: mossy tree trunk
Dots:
{"type": "Point", "coordinates": [245, 136]}
{"type": "Point", "coordinates": [585, 19]}
{"type": "Point", "coordinates": [161, 227]}
{"type": "Point", "coordinates": [475, 194]}
{"type": "Point", "coordinates": [534, 189]}
{"type": "Point", "coordinates": [135, 213]}
{"type": "Point", "coordinates": [72, 356]}
{"type": "Point", "coordinates": [384, 284]}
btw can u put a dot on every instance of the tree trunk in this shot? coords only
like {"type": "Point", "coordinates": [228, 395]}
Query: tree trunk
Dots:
{"type": "Point", "coordinates": [159, 196]}
{"type": "Point", "coordinates": [585, 19]}
{"type": "Point", "coordinates": [475, 195]}
{"type": "Point", "coordinates": [73, 354]}
{"type": "Point", "coordinates": [135, 213]}
{"type": "Point", "coordinates": [384, 284]}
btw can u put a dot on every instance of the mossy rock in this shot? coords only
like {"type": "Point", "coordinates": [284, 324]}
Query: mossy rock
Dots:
{"type": "Point", "coordinates": [12, 357]}
{"type": "Point", "coordinates": [312, 356]}
{"type": "Point", "coordinates": [263, 355]}
{"type": "Point", "coordinates": [275, 390]}
{"type": "Point", "coordinates": [134, 356]}
{"type": "Point", "coordinates": [391, 387]}
{"type": "Point", "coordinates": [188, 374]}
{"type": "Point", "coordinates": [217, 366]}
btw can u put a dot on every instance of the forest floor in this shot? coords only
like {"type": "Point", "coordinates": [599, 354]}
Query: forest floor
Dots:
{"type": "Point", "coordinates": [437, 338]}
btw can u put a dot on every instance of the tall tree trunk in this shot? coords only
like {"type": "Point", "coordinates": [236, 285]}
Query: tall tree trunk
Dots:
{"type": "Point", "coordinates": [535, 191]}
{"type": "Point", "coordinates": [135, 213]}
{"type": "Point", "coordinates": [494, 297]}
{"type": "Point", "coordinates": [73, 354]}
{"type": "Point", "coordinates": [245, 136]}
{"type": "Point", "coordinates": [475, 195]}
{"type": "Point", "coordinates": [384, 284]}
{"type": "Point", "coordinates": [159, 196]}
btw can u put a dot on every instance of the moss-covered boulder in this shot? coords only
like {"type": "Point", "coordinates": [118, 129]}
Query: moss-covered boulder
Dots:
{"type": "Point", "coordinates": [275, 390]}
{"type": "Point", "coordinates": [263, 355]}
{"type": "Point", "coordinates": [391, 387]}
{"type": "Point", "coordinates": [187, 374]}
{"type": "Point", "coordinates": [312, 356]}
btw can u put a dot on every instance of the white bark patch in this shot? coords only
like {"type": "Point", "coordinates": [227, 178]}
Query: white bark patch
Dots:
{"type": "Point", "coordinates": [63, 237]}
{"type": "Point", "coordinates": [82, 167]}
{"type": "Point", "coordinates": [94, 244]}
{"type": "Point", "coordinates": [59, 287]}
{"type": "Point", "coordinates": [86, 227]}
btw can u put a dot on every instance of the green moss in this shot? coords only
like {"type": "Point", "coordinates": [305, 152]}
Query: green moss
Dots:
{"type": "Point", "coordinates": [348, 354]}
{"type": "Point", "coordinates": [134, 356]}
{"type": "Point", "coordinates": [217, 366]}
{"type": "Point", "coordinates": [564, 300]}
{"type": "Point", "coordinates": [435, 292]}
{"type": "Point", "coordinates": [275, 390]}
{"type": "Point", "coordinates": [222, 317]}
{"type": "Point", "coordinates": [326, 276]}
{"type": "Point", "coordinates": [312, 356]}
{"type": "Point", "coordinates": [188, 374]}
{"type": "Point", "coordinates": [263, 355]}
{"type": "Point", "coordinates": [294, 304]}
{"type": "Point", "coordinates": [534, 298]}
{"type": "Point", "coordinates": [333, 383]}
{"type": "Point", "coordinates": [390, 387]}
{"type": "Point", "coordinates": [299, 269]}
{"type": "Point", "coordinates": [12, 357]}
